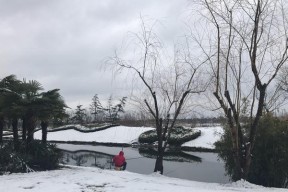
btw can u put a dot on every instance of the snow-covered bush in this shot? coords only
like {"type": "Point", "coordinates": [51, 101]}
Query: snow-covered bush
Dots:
{"type": "Point", "coordinates": [148, 137]}
{"type": "Point", "coordinates": [43, 156]}
{"type": "Point", "coordinates": [10, 162]}
{"type": "Point", "coordinates": [36, 156]}
{"type": "Point", "coordinates": [84, 129]}
{"type": "Point", "coordinates": [179, 135]}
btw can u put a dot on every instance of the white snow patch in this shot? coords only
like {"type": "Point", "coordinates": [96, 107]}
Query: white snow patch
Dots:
{"type": "Point", "coordinates": [86, 179]}
{"type": "Point", "coordinates": [119, 134]}
{"type": "Point", "coordinates": [81, 127]}
{"type": "Point", "coordinates": [209, 135]}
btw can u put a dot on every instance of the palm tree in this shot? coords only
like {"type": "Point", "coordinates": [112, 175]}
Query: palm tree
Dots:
{"type": "Point", "coordinates": [30, 104]}
{"type": "Point", "coordinates": [9, 99]}
{"type": "Point", "coordinates": [53, 106]}
{"type": "Point", "coordinates": [22, 99]}
{"type": "Point", "coordinates": [2, 121]}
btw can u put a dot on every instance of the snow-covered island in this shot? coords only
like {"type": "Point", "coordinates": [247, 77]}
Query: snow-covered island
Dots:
{"type": "Point", "coordinates": [117, 134]}
{"type": "Point", "coordinates": [128, 135]}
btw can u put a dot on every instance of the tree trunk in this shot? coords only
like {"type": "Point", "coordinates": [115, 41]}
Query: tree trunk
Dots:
{"type": "Point", "coordinates": [160, 154]}
{"type": "Point", "coordinates": [159, 163]}
{"type": "Point", "coordinates": [160, 151]}
{"type": "Point", "coordinates": [15, 133]}
{"type": "Point", "coordinates": [31, 124]}
{"type": "Point", "coordinates": [44, 125]}
{"type": "Point", "coordinates": [24, 128]}
{"type": "Point", "coordinates": [1, 128]}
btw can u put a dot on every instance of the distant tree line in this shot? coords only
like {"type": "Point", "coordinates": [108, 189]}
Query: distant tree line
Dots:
{"type": "Point", "coordinates": [111, 112]}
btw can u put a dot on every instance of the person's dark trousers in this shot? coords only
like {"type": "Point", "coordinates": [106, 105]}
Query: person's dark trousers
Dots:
{"type": "Point", "coordinates": [124, 166]}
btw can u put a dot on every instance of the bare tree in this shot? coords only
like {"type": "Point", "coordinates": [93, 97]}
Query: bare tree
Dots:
{"type": "Point", "coordinates": [283, 79]}
{"type": "Point", "coordinates": [168, 82]}
{"type": "Point", "coordinates": [248, 46]}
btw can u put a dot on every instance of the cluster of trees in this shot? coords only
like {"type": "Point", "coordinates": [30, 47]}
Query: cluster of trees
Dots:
{"type": "Point", "coordinates": [25, 102]}
{"type": "Point", "coordinates": [249, 50]}
{"type": "Point", "coordinates": [99, 113]}
{"type": "Point", "coordinates": [243, 45]}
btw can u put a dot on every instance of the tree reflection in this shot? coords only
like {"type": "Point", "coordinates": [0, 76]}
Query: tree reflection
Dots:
{"type": "Point", "coordinates": [170, 155]}
{"type": "Point", "coordinates": [88, 159]}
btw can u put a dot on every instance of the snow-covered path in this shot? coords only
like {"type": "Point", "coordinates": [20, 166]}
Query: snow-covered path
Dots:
{"type": "Point", "coordinates": [83, 179]}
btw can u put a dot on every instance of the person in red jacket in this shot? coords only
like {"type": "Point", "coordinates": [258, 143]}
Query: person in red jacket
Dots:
{"type": "Point", "coordinates": [120, 161]}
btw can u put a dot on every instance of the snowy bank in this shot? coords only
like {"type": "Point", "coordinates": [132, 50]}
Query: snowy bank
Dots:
{"type": "Point", "coordinates": [93, 179]}
{"type": "Point", "coordinates": [119, 134]}
{"type": "Point", "coordinates": [209, 135]}
{"type": "Point", "coordinates": [127, 135]}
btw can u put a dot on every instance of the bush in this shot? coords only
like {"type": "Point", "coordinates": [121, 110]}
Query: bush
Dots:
{"type": "Point", "coordinates": [10, 162]}
{"type": "Point", "coordinates": [179, 135]}
{"type": "Point", "coordinates": [148, 137]}
{"type": "Point", "coordinates": [269, 165]}
{"type": "Point", "coordinates": [36, 156]}
{"type": "Point", "coordinates": [43, 156]}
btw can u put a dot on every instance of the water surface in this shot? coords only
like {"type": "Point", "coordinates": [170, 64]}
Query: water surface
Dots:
{"type": "Point", "coordinates": [197, 166]}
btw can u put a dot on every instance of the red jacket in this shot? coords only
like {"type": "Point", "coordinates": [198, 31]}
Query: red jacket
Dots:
{"type": "Point", "coordinates": [119, 159]}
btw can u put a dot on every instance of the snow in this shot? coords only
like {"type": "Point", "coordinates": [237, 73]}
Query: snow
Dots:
{"type": "Point", "coordinates": [7, 132]}
{"type": "Point", "coordinates": [119, 134]}
{"type": "Point", "coordinates": [81, 127]}
{"type": "Point", "coordinates": [73, 125]}
{"type": "Point", "coordinates": [84, 179]}
{"type": "Point", "coordinates": [209, 135]}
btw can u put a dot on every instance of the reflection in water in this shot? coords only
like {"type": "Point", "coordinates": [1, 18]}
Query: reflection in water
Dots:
{"type": "Point", "coordinates": [87, 159]}
{"type": "Point", "coordinates": [195, 166]}
{"type": "Point", "coordinates": [178, 156]}
{"type": "Point", "coordinates": [104, 161]}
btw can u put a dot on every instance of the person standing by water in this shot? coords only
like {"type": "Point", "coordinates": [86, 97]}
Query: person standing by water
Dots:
{"type": "Point", "coordinates": [120, 161]}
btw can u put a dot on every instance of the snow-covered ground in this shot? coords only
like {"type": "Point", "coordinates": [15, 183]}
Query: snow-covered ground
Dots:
{"type": "Point", "coordinates": [119, 134]}
{"type": "Point", "coordinates": [83, 179]}
{"type": "Point", "coordinates": [209, 135]}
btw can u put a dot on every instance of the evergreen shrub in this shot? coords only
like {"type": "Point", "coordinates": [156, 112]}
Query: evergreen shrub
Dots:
{"type": "Point", "coordinates": [269, 165]}
{"type": "Point", "coordinates": [179, 135]}
{"type": "Point", "coordinates": [43, 156]}
{"type": "Point", "coordinates": [35, 157]}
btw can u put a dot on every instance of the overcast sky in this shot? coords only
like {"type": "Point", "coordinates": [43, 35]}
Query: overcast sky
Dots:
{"type": "Point", "coordinates": [64, 43]}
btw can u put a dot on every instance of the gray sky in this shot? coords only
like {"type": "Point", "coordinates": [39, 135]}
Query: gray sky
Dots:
{"type": "Point", "coordinates": [64, 43]}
